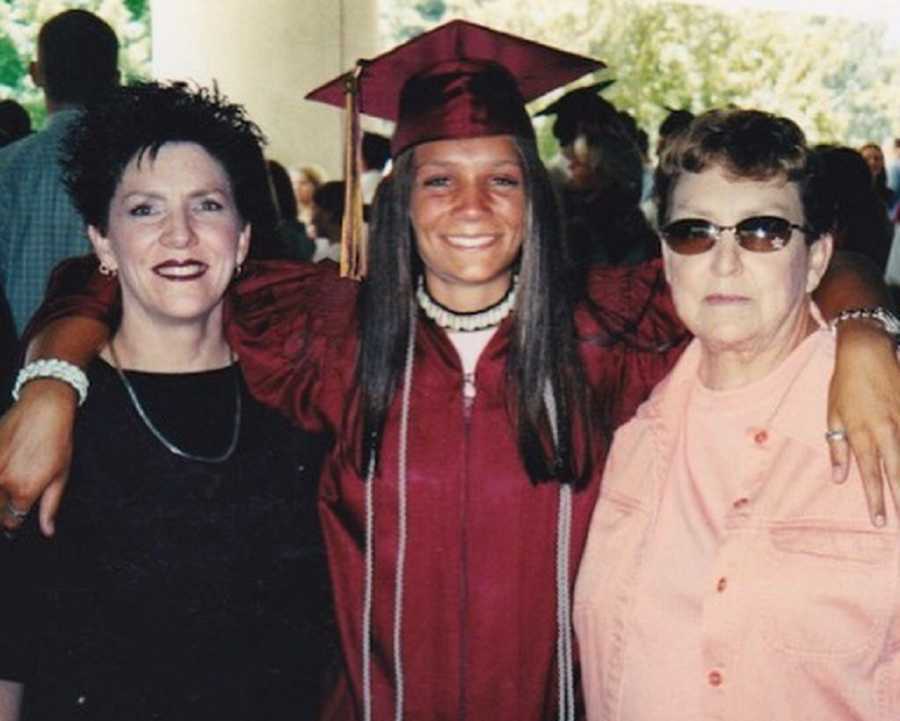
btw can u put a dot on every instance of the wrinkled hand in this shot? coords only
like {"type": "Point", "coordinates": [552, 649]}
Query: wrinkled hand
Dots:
{"type": "Point", "coordinates": [35, 452]}
{"type": "Point", "coordinates": [864, 400]}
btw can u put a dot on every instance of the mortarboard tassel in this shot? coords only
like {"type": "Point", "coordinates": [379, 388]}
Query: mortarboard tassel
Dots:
{"type": "Point", "coordinates": [353, 236]}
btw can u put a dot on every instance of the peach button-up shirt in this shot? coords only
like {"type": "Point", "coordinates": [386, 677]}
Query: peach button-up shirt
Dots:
{"type": "Point", "coordinates": [725, 575]}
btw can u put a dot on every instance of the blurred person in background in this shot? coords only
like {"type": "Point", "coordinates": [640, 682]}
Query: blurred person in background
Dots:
{"type": "Point", "coordinates": [306, 180]}
{"type": "Point", "coordinates": [328, 213]}
{"type": "Point", "coordinates": [76, 64]}
{"type": "Point", "coordinates": [860, 222]}
{"type": "Point", "coordinates": [291, 233]}
{"type": "Point", "coordinates": [677, 120]}
{"type": "Point", "coordinates": [603, 181]}
{"type": "Point", "coordinates": [15, 123]}
{"type": "Point", "coordinates": [9, 351]}
{"type": "Point", "coordinates": [375, 153]}
{"type": "Point", "coordinates": [874, 157]}
{"type": "Point", "coordinates": [893, 177]}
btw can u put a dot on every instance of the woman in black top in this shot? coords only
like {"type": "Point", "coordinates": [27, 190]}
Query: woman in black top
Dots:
{"type": "Point", "coordinates": [186, 578]}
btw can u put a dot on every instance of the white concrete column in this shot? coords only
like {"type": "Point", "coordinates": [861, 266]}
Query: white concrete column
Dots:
{"type": "Point", "coordinates": [267, 54]}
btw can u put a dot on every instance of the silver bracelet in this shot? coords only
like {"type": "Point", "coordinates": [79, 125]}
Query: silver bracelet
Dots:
{"type": "Point", "coordinates": [880, 314]}
{"type": "Point", "coordinates": [53, 368]}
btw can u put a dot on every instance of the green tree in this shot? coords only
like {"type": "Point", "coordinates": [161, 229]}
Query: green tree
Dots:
{"type": "Point", "coordinates": [836, 77]}
{"type": "Point", "coordinates": [11, 67]}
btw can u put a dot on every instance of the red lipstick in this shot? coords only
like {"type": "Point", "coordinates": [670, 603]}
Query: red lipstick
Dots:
{"type": "Point", "coordinates": [180, 270]}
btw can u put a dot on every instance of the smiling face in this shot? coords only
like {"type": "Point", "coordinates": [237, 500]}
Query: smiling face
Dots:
{"type": "Point", "coordinates": [734, 299]}
{"type": "Point", "coordinates": [175, 236]}
{"type": "Point", "coordinates": [468, 210]}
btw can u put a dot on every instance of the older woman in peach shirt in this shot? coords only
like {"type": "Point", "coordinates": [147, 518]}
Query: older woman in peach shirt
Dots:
{"type": "Point", "coordinates": [725, 576]}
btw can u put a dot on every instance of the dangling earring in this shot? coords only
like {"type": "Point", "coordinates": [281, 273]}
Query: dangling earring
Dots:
{"type": "Point", "coordinates": [238, 269]}
{"type": "Point", "coordinates": [106, 270]}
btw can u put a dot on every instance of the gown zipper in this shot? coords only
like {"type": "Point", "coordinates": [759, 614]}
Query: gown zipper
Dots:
{"type": "Point", "coordinates": [468, 393]}
{"type": "Point", "coordinates": [468, 397]}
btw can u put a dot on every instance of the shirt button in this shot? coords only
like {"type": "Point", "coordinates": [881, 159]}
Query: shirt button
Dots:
{"type": "Point", "coordinates": [760, 437]}
{"type": "Point", "coordinates": [715, 678]}
{"type": "Point", "coordinates": [722, 584]}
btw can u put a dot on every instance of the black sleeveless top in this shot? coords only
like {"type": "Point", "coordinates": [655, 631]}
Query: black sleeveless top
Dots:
{"type": "Point", "coordinates": [174, 589]}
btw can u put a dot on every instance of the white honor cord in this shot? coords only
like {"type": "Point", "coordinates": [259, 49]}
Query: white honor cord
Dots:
{"type": "Point", "coordinates": [367, 592]}
{"type": "Point", "coordinates": [566, 658]}
{"type": "Point", "coordinates": [564, 653]}
{"type": "Point", "coordinates": [402, 479]}
{"type": "Point", "coordinates": [401, 548]}
{"type": "Point", "coordinates": [564, 522]}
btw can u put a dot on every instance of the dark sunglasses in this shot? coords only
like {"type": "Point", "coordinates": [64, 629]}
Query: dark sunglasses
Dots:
{"type": "Point", "coordinates": [759, 234]}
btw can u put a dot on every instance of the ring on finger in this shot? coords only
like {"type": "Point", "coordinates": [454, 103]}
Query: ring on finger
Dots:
{"type": "Point", "coordinates": [16, 513]}
{"type": "Point", "coordinates": [838, 434]}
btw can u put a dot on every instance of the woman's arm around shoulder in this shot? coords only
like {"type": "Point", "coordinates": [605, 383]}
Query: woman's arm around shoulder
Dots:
{"type": "Point", "coordinates": [629, 334]}
{"type": "Point", "coordinates": [293, 327]}
{"type": "Point", "coordinates": [634, 304]}
{"type": "Point", "coordinates": [864, 396]}
{"type": "Point", "coordinates": [36, 433]}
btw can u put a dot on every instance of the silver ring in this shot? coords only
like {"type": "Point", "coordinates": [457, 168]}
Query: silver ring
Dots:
{"type": "Point", "coordinates": [15, 512]}
{"type": "Point", "coordinates": [836, 435]}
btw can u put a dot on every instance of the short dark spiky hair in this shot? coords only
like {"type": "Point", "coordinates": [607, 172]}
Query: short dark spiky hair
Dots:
{"type": "Point", "coordinates": [748, 144]}
{"type": "Point", "coordinates": [138, 120]}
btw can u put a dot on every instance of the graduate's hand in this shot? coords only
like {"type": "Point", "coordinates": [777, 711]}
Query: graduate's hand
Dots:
{"type": "Point", "coordinates": [35, 452]}
{"type": "Point", "coordinates": [864, 401]}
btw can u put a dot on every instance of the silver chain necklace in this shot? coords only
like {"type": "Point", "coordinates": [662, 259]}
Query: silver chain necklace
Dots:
{"type": "Point", "coordinates": [171, 447]}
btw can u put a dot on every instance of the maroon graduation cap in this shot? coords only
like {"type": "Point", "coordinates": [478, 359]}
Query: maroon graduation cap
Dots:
{"type": "Point", "coordinates": [460, 80]}
{"type": "Point", "coordinates": [440, 69]}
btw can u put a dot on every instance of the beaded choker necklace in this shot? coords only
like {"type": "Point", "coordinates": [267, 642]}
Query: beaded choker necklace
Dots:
{"type": "Point", "coordinates": [171, 447]}
{"type": "Point", "coordinates": [466, 322]}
